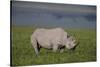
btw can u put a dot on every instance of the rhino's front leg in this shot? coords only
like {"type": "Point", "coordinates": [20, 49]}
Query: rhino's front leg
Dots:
{"type": "Point", "coordinates": [61, 50]}
{"type": "Point", "coordinates": [55, 48]}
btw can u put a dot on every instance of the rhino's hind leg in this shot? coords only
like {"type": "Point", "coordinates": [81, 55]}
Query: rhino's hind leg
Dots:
{"type": "Point", "coordinates": [35, 46]}
{"type": "Point", "coordinates": [36, 49]}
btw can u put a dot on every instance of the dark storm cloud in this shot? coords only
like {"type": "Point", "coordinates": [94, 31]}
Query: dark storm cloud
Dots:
{"type": "Point", "coordinates": [46, 14]}
{"type": "Point", "coordinates": [54, 7]}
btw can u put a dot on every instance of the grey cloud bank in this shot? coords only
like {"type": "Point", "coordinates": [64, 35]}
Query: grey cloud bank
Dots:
{"type": "Point", "coordinates": [53, 15]}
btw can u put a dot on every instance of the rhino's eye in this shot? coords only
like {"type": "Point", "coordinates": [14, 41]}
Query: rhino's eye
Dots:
{"type": "Point", "coordinates": [68, 36]}
{"type": "Point", "coordinates": [70, 44]}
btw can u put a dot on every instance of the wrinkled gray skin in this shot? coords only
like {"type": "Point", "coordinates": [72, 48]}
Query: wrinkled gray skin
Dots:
{"type": "Point", "coordinates": [51, 39]}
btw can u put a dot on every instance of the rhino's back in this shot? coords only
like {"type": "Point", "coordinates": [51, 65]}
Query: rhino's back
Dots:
{"type": "Point", "coordinates": [49, 33]}
{"type": "Point", "coordinates": [55, 33]}
{"type": "Point", "coordinates": [42, 31]}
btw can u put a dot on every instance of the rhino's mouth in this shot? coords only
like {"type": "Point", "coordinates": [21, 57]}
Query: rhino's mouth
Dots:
{"type": "Point", "coordinates": [75, 46]}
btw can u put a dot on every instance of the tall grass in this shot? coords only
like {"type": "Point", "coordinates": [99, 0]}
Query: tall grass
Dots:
{"type": "Point", "coordinates": [23, 52]}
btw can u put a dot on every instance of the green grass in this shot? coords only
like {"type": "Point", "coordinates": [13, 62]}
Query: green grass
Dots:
{"type": "Point", "coordinates": [23, 52]}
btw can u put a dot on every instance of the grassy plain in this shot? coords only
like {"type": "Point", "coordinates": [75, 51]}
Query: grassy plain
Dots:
{"type": "Point", "coordinates": [23, 52]}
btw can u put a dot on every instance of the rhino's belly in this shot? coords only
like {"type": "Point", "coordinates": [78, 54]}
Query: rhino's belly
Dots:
{"type": "Point", "coordinates": [45, 43]}
{"type": "Point", "coordinates": [46, 46]}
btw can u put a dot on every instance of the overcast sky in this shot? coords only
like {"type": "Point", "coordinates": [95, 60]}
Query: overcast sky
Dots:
{"type": "Point", "coordinates": [53, 15]}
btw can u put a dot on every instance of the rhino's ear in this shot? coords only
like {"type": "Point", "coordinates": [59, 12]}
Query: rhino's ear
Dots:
{"type": "Point", "coordinates": [71, 38]}
{"type": "Point", "coordinates": [74, 40]}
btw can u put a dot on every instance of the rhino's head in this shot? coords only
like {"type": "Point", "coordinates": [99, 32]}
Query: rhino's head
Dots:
{"type": "Point", "coordinates": [70, 43]}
